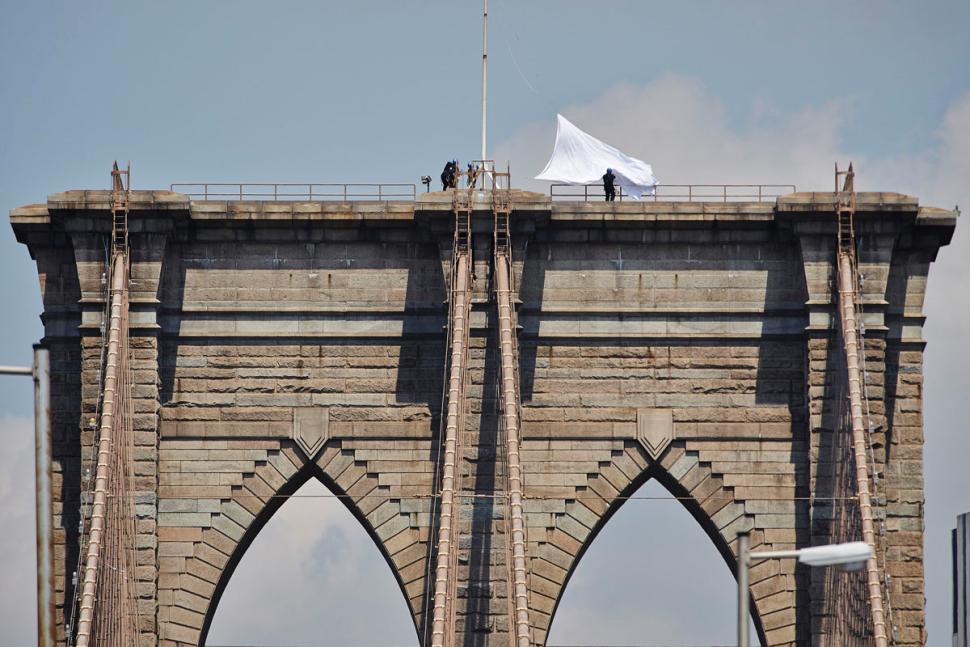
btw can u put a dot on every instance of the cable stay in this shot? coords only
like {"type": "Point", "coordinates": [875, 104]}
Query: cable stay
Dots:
{"type": "Point", "coordinates": [504, 286]}
{"type": "Point", "coordinates": [847, 283]}
{"type": "Point", "coordinates": [106, 599]}
{"type": "Point", "coordinates": [446, 562]}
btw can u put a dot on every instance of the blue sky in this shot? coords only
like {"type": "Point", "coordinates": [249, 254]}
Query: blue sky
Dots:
{"type": "Point", "coordinates": [384, 91]}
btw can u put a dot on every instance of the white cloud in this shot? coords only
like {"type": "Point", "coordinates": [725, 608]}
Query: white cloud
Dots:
{"type": "Point", "coordinates": [652, 576]}
{"type": "Point", "coordinates": [316, 578]}
{"type": "Point", "coordinates": [683, 130]}
{"type": "Point", "coordinates": [323, 575]}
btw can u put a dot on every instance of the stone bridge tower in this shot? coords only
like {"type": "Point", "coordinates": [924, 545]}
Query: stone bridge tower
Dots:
{"type": "Point", "coordinates": [692, 343]}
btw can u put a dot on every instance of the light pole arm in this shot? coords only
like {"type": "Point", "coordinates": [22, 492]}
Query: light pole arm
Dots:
{"type": "Point", "coordinates": [16, 370]}
{"type": "Point", "coordinates": [774, 554]}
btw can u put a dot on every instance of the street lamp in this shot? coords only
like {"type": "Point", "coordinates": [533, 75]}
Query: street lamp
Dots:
{"type": "Point", "coordinates": [40, 371]}
{"type": "Point", "coordinates": [851, 556]}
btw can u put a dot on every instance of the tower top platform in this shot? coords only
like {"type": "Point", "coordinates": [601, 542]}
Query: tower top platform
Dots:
{"type": "Point", "coordinates": [525, 203]}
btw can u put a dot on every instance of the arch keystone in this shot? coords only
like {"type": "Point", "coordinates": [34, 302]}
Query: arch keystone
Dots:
{"type": "Point", "coordinates": [311, 429]}
{"type": "Point", "coordinates": [655, 430]}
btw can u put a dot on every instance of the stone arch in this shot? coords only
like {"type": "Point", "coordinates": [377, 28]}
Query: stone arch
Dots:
{"type": "Point", "coordinates": [199, 551]}
{"type": "Point", "coordinates": [263, 508]}
{"type": "Point", "coordinates": [652, 576]}
{"type": "Point", "coordinates": [706, 495]}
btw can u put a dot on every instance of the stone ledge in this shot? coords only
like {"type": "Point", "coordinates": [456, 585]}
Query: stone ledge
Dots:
{"type": "Point", "coordinates": [865, 201]}
{"type": "Point", "coordinates": [527, 204]}
{"type": "Point", "coordinates": [100, 200]}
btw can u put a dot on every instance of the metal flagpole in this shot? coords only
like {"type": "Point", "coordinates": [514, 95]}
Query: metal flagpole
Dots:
{"type": "Point", "coordinates": [484, 74]}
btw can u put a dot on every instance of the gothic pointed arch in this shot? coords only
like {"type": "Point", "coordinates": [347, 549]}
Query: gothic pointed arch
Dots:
{"type": "Point", "coordinates": [199, 549]}
{"type": "Point", "coordinates": [651, 576]}
{"type": "Point", "coordinates": [708, 496]}
{"type": "Point", "coordinates": [312, 576]}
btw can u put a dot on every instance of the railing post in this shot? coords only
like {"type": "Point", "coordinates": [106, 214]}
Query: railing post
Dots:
{"type": "Point", "coordinates": [345, 192]}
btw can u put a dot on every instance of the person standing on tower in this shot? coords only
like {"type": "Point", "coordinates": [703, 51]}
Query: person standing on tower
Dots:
{"type": "Point", "coordinates": [608, 179]}
{"type": "Point", "coordinates": [448, 175]}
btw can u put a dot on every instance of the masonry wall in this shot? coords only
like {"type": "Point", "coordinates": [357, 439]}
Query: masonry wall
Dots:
{"type": "Point", "coordinates": [693, 344]}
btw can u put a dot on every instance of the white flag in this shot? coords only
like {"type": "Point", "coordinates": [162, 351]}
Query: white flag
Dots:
{"type": "Point", "coordinates": [580, 158]}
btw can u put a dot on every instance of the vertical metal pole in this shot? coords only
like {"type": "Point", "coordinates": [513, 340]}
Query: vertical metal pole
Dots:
{"type": "Point", "coordinates": [484, 74]}
{"type": "Point", "coordinates": [42, 463]}
{"type": "Point", "coordinates": [743, 590]}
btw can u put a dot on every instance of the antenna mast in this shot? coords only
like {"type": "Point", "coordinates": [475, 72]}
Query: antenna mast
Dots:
{"type": "Point", "coordinates": [484, 72]}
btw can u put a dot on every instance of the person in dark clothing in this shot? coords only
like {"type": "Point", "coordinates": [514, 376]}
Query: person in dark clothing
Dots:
{"type": "Point", "coordinates": [448, 176]}
{"type": "Point", "coordinates": [608, 188]}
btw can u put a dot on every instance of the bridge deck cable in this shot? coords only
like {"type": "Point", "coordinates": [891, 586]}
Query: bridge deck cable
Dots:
{"type": "Point", "coordinates": [849, 615]}
{"type": "Point", "coordinates": [510, 406]}
{"type": "Point", "coordinates": [446, 561]}
{"type": "Point", "coordinates": [106, 598]}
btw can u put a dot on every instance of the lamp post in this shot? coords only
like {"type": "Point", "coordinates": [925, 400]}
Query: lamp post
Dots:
{"type": "Point", "coordinates": [40, 371]}
{"type": "Point", "coordinates": [851, 556]}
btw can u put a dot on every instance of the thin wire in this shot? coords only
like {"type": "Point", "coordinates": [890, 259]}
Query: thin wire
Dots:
{"type": "Point", "coordinates": [656, 645]}
{"type": "Point", "coordinates": [471, 495]}
{"type": "Point", "coordinates": [519, 69]}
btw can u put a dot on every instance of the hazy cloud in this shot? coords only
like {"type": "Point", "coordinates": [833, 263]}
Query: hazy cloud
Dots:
{"type": "Point", "coordinates": [18, 582]}
{"type": "Point", "coordinates": [672, 585]}
{"type": "Point", "coordinates": [651, 577]}
{"type": "Point", "coordinates": [682, 129]}
{"type": "Point", "coordinates": [316, 578]}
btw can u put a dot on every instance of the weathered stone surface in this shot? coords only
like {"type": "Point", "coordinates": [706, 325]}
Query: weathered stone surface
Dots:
{"type": "Point", "coordinates": [655, 430]}
{"type": "Point", "coordinates": [311, 429]}
{"type": "Point", "coordinates": [687, 342]}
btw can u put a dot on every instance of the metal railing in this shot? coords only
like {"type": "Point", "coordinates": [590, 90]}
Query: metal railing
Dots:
{"type": "Point", "coordinates": [294, 191]}
{"type": "Point", "coordinates": [678, 192]}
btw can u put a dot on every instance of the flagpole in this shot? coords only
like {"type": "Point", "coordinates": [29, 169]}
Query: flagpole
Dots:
{"type": "Point", "coordinates": [484, 75]}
